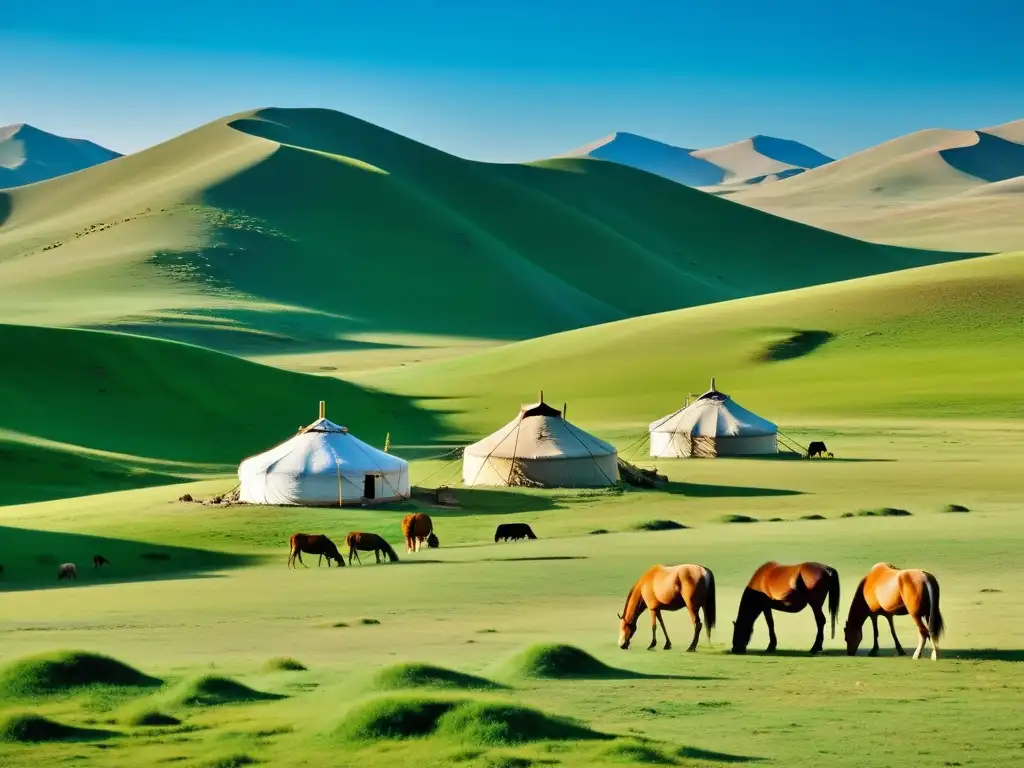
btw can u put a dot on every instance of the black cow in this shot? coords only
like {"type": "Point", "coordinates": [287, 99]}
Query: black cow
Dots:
{"type": "Point", "coordinates": [817, 448]}
{"type": "Point", "coordinates": [98, 560]}
{"type": "Point", "coordinates": [513, 532]}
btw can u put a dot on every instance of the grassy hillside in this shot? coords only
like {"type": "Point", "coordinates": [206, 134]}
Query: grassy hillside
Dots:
{"type": "Point", "coordinates": [944, 189]}
{"type": "Point", "coordinates": [89, 411]}
{"type": "Point", "coordinates": [306, 230]}
{"type": "Point", "coordinates": [939, 341]}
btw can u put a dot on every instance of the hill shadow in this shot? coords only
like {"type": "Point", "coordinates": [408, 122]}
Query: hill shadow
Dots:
{"type": "Point", "coordinates": [488, 501]}
{"type": "Point", "coordinates": [797, 344]}
{"type": "Point", "coordinates": [990, 159]}
{"type": "Point", "coordinates": [5, 208]}
{"type": "Point", "coordinates": [695, 753]}
{"type": "Point", "coordinates": [30, 560]}
{"type": "Point", "coordinates": [704, 490]}
{"type": "Point", "coordinates": [983, 654]}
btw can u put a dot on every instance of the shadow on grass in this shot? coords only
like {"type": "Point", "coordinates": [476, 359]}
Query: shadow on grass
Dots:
{"type": "Point", "coordinates": [702, 490]}
{"type": "Point", "coordinates": [486, 501]}
{"type": "Point", "coordinates": [983, 654]}
{"type": "Point", "coordinates": [794, 653]}
{"type": "Point", "coordinates": [29, 557]}
{"type": "Point", "coordinates": [528, 559]}
{"type": "Point", "coordinates": [695, 753]}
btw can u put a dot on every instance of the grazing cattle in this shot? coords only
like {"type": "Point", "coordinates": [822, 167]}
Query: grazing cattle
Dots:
{"type": "Point", "coordinates": [513, 532]}
{"type": "Point", "coordinates": [98, 560]}
{"type": "Point", "coordinates": [888, 591]}
{"type": "Point", "coordinates": [817, 448]}
{"type": "Point", "coordinates": [670, 588]}
{"type": "Point", "coordinates": [313, 544]}
{"type": "Point", "coordinates": [67, 571]}
{"type": "Point", "coordinates": [368, 542]}
{"type": "Point", "coordinates": [417, 528]}
{"type": "Point", "coordinates": [787, 588]}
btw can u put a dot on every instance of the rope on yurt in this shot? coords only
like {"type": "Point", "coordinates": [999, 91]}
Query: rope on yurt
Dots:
{"type": "Point", "coordinates": [592, 456]}
{"type": "Point", "coordinates": [487, 458]}
{"type": "Point", "coordinates": [790, 443]}
{"type": "Point", "coordinates": [458, 455]}
{"type": "Point", "coordinates": [383, 474]}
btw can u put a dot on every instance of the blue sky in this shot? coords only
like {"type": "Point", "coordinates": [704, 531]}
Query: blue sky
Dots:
{"type": "Point", "coordinates": [521, 80]}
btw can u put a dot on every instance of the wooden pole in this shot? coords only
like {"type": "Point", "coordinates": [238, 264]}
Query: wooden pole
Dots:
{"type": "Point", "coordinates": [541, 396]}
{"type": "Point", "coordinates": [323, 409]}
{"type": "Point", "coordinates": [565, 410]}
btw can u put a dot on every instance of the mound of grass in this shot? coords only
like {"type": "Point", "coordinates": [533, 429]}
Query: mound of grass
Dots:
{"type": "Point", "coordinates": [599, 532]}
{"type": "Point", "coordinates": [659, 525]}
{"type": "Point", "coordinates": [955, 508]}
{"type": "Point", "coordinates": [66, 672]}
{"type": "Point", "coordinates": [496, 724]}
{"type": "Point", "coordinates": [553, 661]}
{"type": "Point", "coordinates": [847, 514]}
{"type": "Point", "coordinates": [635, 754]}
{"type": "Point", "coordinates": [405, 676]}
{"type": "Point", "coordinates": [29, 728]}
{"type": "Point", "coordinates": [883, 512]}
{"type": "Point", "coordinates": [481, 723]}
{"type": "Point", "coordinates": [231, 761]}
{"type": "Point", "coordinates": [738, 519]}
{"type": "Point", "coordinates": [393, 718]}
{"type": "Point", "coordinates": [211, 691]}
{"type": "Point", "coordinates": [777, 520]}
{"type": "Point", "coordinates": [149, 717]}
{"type": "Point", "coordinates": [369, 622]}
{"type": "Point", "coordinates": [812, 517]}
{"type": "Point", "coordinates": [284, 664]}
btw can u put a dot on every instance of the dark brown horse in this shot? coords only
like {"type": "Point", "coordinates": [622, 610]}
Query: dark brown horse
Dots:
{"type": "Point", "coordinates": [669, 589]}
{"type": "Point", "coordinates": [417, 528]}
{"type": "Point", "coordinates": [787, 588]}
{"type": "Point", "coordinates": [888, 591]}
{"type": "Point", "coordinates": [368, 542]}
{"type": "Point", "coordinates": [313, 544]}
{"type": "Point", "coordinates": [98, 560]}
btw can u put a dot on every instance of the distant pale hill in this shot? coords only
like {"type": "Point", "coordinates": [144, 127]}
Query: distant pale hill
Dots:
{"type": "Point", "coordinates": [751, 161]}
{"type": "Point", "coordinates": [945, 189]}
{"type": "Point", "coordinates": [307, 230]}
{"type": "Point", "coordinates": [28, 155]}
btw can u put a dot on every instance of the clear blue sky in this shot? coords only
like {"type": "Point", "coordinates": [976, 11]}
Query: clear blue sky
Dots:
{"type": "Point", "coordinates": [523, 79]}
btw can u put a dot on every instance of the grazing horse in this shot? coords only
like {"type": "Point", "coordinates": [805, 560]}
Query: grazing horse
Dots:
{"type": "Point", "coordinates": [787, 588]}
{"type": "Point", "coordinates": [313, 544]}
{"type": "Point", "coordinates": [889, 591]}
{"type": "Point", "coordinates": [67, 571]}
{"type": "Point", "coordinates": [417, 528]}
{"type": "Point", "coordinates": [514, 532]}
{"type": "Point", "coordinates": [98, 560]}
{"type": "Point", "coordinates": [368, 542]}
{"type": "Point", "coordinates": [669, 588]}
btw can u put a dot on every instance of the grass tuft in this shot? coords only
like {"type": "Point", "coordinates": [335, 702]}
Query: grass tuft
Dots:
{"type": "Point", "coordinates": [68, 671]}
{"type": "Point", "coordinates": [813, 517]}
{"type": "Point", "coordinates": [406, 676]}
{"type": "Point", "coordinates": [211, 691]}
{"type": "Point", "coordinates": [149, 717]}
{"type": "Point", "coordinates": [635, 754]}
{"type": "Point", "coordinates": [284, 664]}
{"type": "Point", "coordinates": [955, 508]}
{"type": "Point", "coordinates": [553, 661]}
{"type": "Point", "coordinates": [487, 723]}
{"type": "Point", "coordinates": [30, 728]}
{"type": "Point", "coordinates": [659, 525]}
{"type": "Point", "coordinates": [599, 532]}
{"type": "Point", "coordinates": [738, 519]}
{"type": "Point", "coordinates": [231, 761]}
{"type": "Point", "coordinates": [883, 512]}
{"type": "Point", "coordinates": [393, 718]}
{"type": "Point", "coordinates": [369, 622]}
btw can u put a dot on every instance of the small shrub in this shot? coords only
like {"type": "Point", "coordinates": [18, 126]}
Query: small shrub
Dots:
{"type": "Point", "coordinates": [813, 517]}
{"type": "Point", "coordinates": [955, 508]}
{"type": "Point", "coordinates": [599, 532]}
{"type": "Point", "coordinates": [738, 519]}
{"type": "Point", "coordinates": [883, 512]}
{"type": "Point", "coordinates": [847, 514]}
{"type": "Point", "coordinates": [659, 525]}
{"type": "Point", "coordinates": [284, 664]}
{"type": "Point", "coordinates": [369, 622]}
{"type": "Point", "coordinates": [776, 520]}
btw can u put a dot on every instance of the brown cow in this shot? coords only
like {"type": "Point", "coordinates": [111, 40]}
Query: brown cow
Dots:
{"type": "Point", "coordinates": [368, 542]}
{"type": "Point", "coordinates": [417, 528]}
{"type": "Point", "coordinates": [313, 544]}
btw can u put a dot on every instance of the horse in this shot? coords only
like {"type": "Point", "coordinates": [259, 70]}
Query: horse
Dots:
{"type": "Point", "coordinates": [889, 591]}
{"type": "Point", "coordinates": [368, 542]}
{"type": "Point", "coordinates": [669, 588]}
{"type": "Point", "coordinates": [787, 588]}
{"type": "Point", "coordinates": [98, 560]}
{"type": "Point", "coordinates": [67, 571]}
{"type": "Point", "coordinates": [817, 448]}
{"type": "Point", "coordinates": [417, 528]}
{"type": "Point", "coordinates": [313, 544]}
{"type": "Point", "coordinates": [513, 531]}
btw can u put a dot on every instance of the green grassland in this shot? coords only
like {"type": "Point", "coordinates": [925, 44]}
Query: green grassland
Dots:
{"type": "Point", "coordinates": [300, 231]}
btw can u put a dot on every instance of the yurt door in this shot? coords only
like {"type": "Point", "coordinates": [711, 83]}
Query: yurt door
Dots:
{"type": "Point", "coordinates": [369, 487]}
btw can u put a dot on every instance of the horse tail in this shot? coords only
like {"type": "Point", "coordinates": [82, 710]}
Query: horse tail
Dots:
{"type": "Point", "coordinates": [833, 596]}
{"type": "Point", "coordinates": [389, 550]}
{"type": "Point", "coordinates": [710, 611]}
{"type": "Point", "coordinates": [935, 623]}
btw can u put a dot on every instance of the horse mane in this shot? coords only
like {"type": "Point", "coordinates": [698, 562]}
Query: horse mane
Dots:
{"type": "Point", "coordinates": [640, 601]}
{"type": "Point", "coordinates": [388, 549]}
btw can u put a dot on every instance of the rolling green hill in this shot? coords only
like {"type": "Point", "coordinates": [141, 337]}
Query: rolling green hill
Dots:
{"type": "Point", "coordinates": [90, 411]}
{"type": "Point", "coordinates": [939, 341]}
{"type": "Point", "coordinates": [303, 230]}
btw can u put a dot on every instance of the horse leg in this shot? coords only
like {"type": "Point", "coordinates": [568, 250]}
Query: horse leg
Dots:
{"type": "Point", "coordinates": [654, 630]}
{"type": "Point", "coordinates": [819, 618]}
{"type": "Point", "coordinates": [697, 627]}
{"type": "Point", "coordinates": [358, 558]}
{"type": "Point", "coordinates": [773, 641]}
{"type": "Point", "coordinates": [376, 553]}
{"type": "Point", "coordinates": [922, 632]}
{"type": "Point", "coordinates": [668, 643]}
{"type": "Point", "coordinates": [298, 554]}
{"type": "Point", "coordinates": [874, 626]}
{"type": "Point", "coordinates": [896, 640]}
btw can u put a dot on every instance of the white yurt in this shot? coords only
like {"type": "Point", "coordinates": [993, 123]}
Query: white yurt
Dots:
{"type": "Point", "coordinates": [713, 425]}
{"type": "Point", "coordinates": [323, 465]}
{"type": "Point", "coordinates": [540, 448]}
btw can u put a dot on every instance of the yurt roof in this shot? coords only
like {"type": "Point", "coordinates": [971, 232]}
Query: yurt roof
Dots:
{"type": "Point", "coordinates": [540, 432]}
{"type": "Point", "coordinates": [714, 414]}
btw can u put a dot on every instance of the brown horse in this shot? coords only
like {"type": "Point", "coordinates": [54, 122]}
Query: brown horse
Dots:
{"type": "Point", "coordinates": [787, 588]}
{"type": "Point", "coordinates": [669, 588]}
{"type": "Point", "coordinates": [417, 528]}
{"type": "Point", "coordinates": [888, 591]}
{"type": "Point", "coordinates": [368, 542]}
{"type": "Point", "coordinates": [313, 544]}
